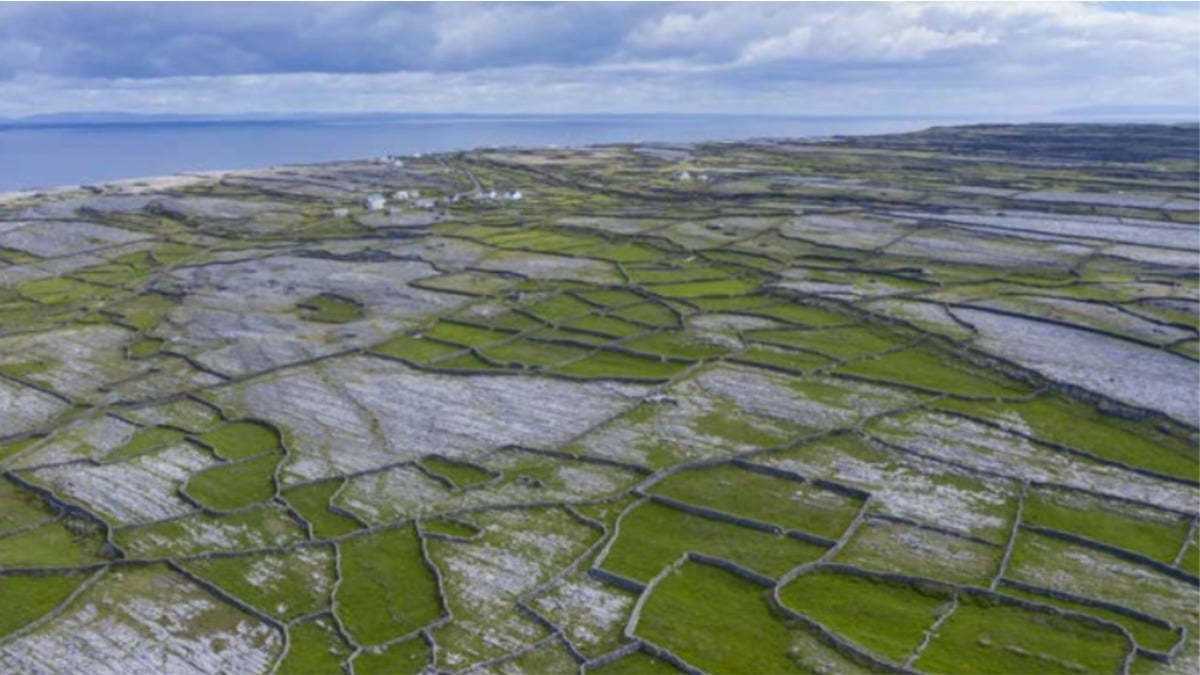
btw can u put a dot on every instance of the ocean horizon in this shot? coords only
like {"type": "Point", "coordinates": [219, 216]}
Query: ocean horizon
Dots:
{"type": "Point", "coordinates": [68, 152]}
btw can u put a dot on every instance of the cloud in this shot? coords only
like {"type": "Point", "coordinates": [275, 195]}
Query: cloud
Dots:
{"type": "Point", "coordinates": [734, 57]}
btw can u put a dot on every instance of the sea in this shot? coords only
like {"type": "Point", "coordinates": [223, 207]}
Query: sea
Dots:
{"type": "Point", "coordinates": [68, 154]}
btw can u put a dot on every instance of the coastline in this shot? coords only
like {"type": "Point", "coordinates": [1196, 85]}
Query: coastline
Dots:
{"type": "Point", "coordinates": [152, 182]}
{"type": "Point", "coordinates": [125, 185]}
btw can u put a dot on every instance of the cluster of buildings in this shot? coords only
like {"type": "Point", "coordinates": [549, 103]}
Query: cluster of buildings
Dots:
{"type": "Point", "coordinates": [377, 202]}
{"type": "Point", "coordinates": [412, 198]}
{"type": "Point", "coordinates": [687, 177]}
{"type": "Point", "coordinates": [510, 195]}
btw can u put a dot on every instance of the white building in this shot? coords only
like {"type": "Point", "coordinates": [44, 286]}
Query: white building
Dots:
{"type": "Point", "coordinates": [375, 202]}
{"type": "Point", "coordinates": [513, 195]}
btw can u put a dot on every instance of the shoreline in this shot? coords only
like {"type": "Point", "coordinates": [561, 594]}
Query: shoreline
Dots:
{"type": "Point", "coordinates": [124, 185]}
{"type": "Point", "coordinates": [344, 144]}
{"type": "Point", "coordinates": [140, 184]}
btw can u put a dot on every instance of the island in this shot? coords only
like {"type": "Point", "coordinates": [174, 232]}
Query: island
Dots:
{"type": "Point", "coordinates": [919, 402]}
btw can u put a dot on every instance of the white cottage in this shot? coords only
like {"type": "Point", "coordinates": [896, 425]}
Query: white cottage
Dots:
{"type": "Point", "coordinates": [375, 202]}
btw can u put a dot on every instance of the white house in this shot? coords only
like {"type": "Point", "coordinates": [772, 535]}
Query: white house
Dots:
{"type": "Point", "coordinates": [375, 202]}
{"type": "Point", "coordinates": [513, 195]}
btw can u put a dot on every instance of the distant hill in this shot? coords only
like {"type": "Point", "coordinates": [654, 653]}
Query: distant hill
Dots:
{"type": "Point", "coordinates": [1164, 112]}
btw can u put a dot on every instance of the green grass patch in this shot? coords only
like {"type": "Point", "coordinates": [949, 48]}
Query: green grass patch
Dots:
{"type": "Point", "coordinates": [637, 663]}
{"type": "Point", "coordinates": [66, 542]}
{"type": "Point", "coordinates": [387, 590]}
{"type": "Point", "coordinates": [12, 256]}
{"type": "Point", "coordinates": [728, 422]}
{"type": "Point", "coordinates": [1189, 349]}
{"type": "Point", "coordinates": [466, 363]}
{"type": "Point", "coordinates": [462, 474]}
{"type": "Point", "coordinates": [886, 618]}
{"type": "Point", "coordinates": [1156, 536]}
{"type": "Point", "coordinates": [414, 349]}
{"type": "Point", "coordinates": [1062, 420]}
{"type": "Point", "coordinates": [560, 309]}
{"type": "Point", "coordinates": [883, 546]}
{"type": "Point", "coordinates": [60, 290]}
{"type": "Point", "coordinates": [405, 658]}
{"type": "Point", "coordinates": [697, 289]}
{"type": "Point", "coordinates": [930, 370]}
{"type": "Point", "coordinates": [648, 314]}
{"type": "Point", "coordinates": [513, 321]}
{"type": "Point", "coordinates": [240, 440]}
{"type": "Point", "coordinates": [170, 253]}
{"type": "Point", "coordinates": [653, 536]}
{"type": "Point", "coordinates": [615, 364]}
{"type": "Point", "coordinates": [1146, 634]}
{"type": "Point", "coordinates": [763, 355]}
{"type": "Point", "coordinates": [790, 504]}
{"type": "Point", "coordinates": [327, 308]}
{"type": "Point", "coordinates": [16, 447]}
{"type": "Point", "coordinates": [981, 637]}
{"type": "Point", "coordinates": [612, 297]}
{"type": "Point", "coordinates": [228, 487]}
{"type": "Point", "coordinates": [145, 311]}
{"type": "Point", "coordinates": [278, 584]}
{"type": "Point", "coordinates": [605, 325]}
{"type": "Point", "coordinates": [837, 343]}
{"type": "Point", "coordinates": [675, 345]}
{"type": "Point", "coordinates": [145, 348]}
{"type": "Point", "coordinates": [475, 232]}
{"type": "Point", "coordinates": [625, 253]}
{"type": "Point", "coordinates": [586, 340]}
{"type": "Point", "coordinates": [813, 317]}
{"type": "Point", "coordinates": [26, 599]}
{"type": "Point", "coordinates": [533, 353]}
{"type": "Point", "coordinates": [718, 622]}
{"type": "Point", "coordinates": [743, 258]}
{"type": "Point", "coordinates": [1191, 559]}
{"type": "Point", "coordinates": [112, 274]}
{"type": "Point", "coordinates": [465, 334]}
{"type": "Point", "coordinates": [699, 271]}
{"type": "Point", "coordinates": [143, 441]}
{"type": "Point", "coordinates": [314, 648]}
{"type": "Point", "coordinates": [20, 507]}
{"type": "Point", "coordinates": [23, 369]}
{"type": "Point", "coordinates": [449, 528]}
{"type": "Point", "coordinates": [313, 501]}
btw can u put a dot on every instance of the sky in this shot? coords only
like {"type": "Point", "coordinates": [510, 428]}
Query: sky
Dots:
{"type": "Point", "coordinates": [950, 59]}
